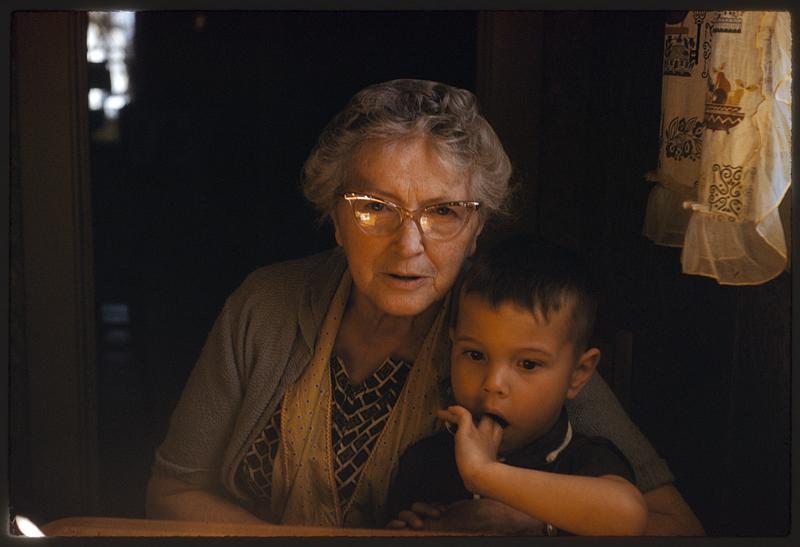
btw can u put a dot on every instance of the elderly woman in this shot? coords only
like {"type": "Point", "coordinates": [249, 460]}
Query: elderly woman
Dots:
{"type": "Point", "coordinates": [319, 372]}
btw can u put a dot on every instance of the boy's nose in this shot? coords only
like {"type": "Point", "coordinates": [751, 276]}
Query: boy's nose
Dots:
{"type": "Point", "coordinates": [494, 381]}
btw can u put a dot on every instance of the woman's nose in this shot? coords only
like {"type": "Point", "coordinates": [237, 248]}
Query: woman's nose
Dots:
{"type": "Point", "coordinates": [409, 237]}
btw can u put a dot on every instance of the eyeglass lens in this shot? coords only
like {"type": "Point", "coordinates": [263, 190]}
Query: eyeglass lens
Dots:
{"type": "Point", "coordinates": [437, 221]}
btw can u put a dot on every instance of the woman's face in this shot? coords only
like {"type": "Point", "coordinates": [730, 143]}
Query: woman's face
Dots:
{"type": "Point", "coordinates": [403, 273]}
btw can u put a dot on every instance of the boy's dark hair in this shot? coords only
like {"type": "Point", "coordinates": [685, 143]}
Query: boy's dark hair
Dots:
{"type": "Point", "coordinates": [539, 276]}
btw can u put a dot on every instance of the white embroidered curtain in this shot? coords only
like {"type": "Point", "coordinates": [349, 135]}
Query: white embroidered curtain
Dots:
{"type": "Point", "coordinates": [724, 161]}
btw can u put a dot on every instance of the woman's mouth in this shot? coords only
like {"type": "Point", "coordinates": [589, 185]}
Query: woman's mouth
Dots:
{"type": "Point", "coordinates": [407, 282]}
{"type": "Point", "coordinates": [404, 277]}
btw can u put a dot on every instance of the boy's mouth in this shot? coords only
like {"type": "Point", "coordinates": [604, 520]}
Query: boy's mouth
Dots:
{"type": "Point", "coordinates": [500, 420]}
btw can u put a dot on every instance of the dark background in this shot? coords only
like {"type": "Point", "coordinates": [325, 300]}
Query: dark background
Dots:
{"type": "Point", "coordinates": [202, 187]}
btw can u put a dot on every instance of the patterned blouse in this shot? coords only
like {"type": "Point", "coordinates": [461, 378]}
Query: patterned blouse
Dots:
{"type": "Point", "coordinates": [359, 414]}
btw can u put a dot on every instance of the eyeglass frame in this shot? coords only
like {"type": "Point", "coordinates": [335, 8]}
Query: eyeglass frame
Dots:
{"type": "Point", "coordinates": [415, 215]}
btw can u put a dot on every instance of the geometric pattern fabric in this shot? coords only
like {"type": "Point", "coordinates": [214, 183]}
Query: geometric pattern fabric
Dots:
{"type": "Point", "coordinates": [359, 414]}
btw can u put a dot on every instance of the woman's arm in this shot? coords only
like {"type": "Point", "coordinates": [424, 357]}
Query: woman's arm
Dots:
{"type": "Point", "coordinates": [184, 482]}
{"type": "Point", "coordinates": [172, 499]}
{"type": "Point", "coordinates": [252, 348]}
{"type": "Point", "coordinates": [597, 412]}
{"type": "Point", "coordinates": [186, 467]}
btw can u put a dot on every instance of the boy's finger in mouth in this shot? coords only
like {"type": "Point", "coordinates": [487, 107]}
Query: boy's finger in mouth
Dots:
{"type": "Point", "coordinates": [502, 422]}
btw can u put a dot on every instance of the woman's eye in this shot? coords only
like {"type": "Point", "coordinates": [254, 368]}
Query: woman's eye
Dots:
{"type": "Point", "coordinates": [376, 206]}
{"type": "Point", "coordinates": [443, 211]}
{"type": "Point", "coordinates": [474, 355]}
{"type": "Point", "coordinates": [528, 365]}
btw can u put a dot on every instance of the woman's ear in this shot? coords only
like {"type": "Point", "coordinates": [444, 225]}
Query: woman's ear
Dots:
{"type": "Point", "coordinates": [336, 228]}
{"type": "Point", "coordinates": [585, 367]}
{"type": "Point", "coordinates": [474, 243]}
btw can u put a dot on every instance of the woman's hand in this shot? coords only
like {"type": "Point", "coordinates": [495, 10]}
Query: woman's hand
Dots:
{"type": "Point", "coordinates": [476, 445]}
{"type": "Point", "coordinates": [419, 517]}
{"type": "Point", "coordinates": [483, 516]}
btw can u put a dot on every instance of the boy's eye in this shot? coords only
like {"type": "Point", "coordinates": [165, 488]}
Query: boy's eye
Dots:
{"type": "Point", "coordinates": [474, 355]}
{"type": "Point", "coordinates": [528, 365]}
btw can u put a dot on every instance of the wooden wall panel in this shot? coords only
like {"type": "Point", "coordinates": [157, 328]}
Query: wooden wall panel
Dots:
{"type": "Point", "coordinates": [49, 82]}
{"type": "Point", "coordinates": [509, 90]}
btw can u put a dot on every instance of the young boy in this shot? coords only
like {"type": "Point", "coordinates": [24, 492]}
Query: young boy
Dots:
{"type": "Point", "coordinates": [519, 350]}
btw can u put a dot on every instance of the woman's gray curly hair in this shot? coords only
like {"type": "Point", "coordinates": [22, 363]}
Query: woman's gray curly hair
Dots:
{"type": "Point", "coordinates": [397, 110]}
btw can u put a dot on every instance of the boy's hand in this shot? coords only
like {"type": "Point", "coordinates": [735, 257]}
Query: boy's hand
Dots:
{"type": "Point", "coordinates": [418, 517]}
{"type": "Point", "coordinates": [476, 445]}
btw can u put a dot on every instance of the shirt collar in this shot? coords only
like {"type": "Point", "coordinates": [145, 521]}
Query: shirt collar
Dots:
{"type": "Point", "coordinates": [544, 450]}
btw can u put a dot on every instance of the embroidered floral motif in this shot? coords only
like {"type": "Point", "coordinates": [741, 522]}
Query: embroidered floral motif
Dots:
{"type": "Point", "coordinates": [726, 195]}
{"type": "Point", "coordinates": [684, 139]}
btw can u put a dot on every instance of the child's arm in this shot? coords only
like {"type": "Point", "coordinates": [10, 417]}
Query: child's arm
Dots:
{"type": "Point", "coordinates": [427, 493]}
{"type": "Point", "coordinates": [607, 505]}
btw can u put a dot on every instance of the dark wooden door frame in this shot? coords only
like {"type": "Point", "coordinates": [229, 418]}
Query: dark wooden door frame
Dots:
{"type": "Point", "coordinates": [510, 49]}
{"type": "Point", "coordinates": [50, 152]}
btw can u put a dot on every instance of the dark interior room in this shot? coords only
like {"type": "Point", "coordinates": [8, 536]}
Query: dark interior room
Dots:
{"type": "Point", "coordinates": [155, 210]}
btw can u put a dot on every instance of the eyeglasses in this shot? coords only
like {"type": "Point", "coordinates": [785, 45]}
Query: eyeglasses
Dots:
{"type": "Point", "coordinates": [376, 216]}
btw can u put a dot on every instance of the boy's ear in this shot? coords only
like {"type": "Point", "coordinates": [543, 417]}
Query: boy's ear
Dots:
{"type": "Point", "coordinates": [587, 363]}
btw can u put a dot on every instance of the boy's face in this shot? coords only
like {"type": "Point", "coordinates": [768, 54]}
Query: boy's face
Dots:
{"type": "Point", "coordinates": [515, 365]}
